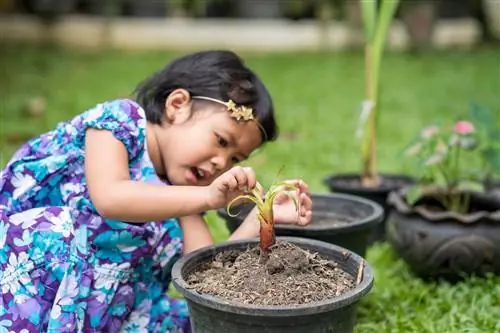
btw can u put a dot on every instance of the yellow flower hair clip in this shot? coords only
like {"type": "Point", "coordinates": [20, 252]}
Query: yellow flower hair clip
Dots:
{"type": "Point", "coordinates": [237, 112]}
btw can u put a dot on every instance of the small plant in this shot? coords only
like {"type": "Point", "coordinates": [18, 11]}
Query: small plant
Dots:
{"type": "Point", "coordinates": [376, 26]}
{"type": "Point", "coordinates": [447, 162]}
{"type": "Point", "coordinates": [265, 214]}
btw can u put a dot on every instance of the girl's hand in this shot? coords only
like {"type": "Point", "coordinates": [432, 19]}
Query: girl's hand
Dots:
{"type": "Point", "coordinates": [229, 185]}
{"type": "Point", "coordinates": [285, 210]}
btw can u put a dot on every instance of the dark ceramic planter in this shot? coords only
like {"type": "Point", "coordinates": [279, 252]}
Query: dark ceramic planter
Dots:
{"type": "Point", "coordinates": [446, 245]}
{"type": "Point", "coordinates": [349, 184]}
{"type": "Point", "coordinates": [493, 189]}
{"type": "Point", "coordinates": [210, 314]}
{"type": "Point", "coordinates": [352, 235]}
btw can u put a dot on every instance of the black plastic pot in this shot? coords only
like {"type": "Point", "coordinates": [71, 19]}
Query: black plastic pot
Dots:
{"type": "Point", "coordinates": [349, 184]}
{"type": "Point", "coordinates": [439, 244]}
{"type": "Point", "coordinates": [210, 314]}
{"type": "Point", "coordinates": [352, 235]}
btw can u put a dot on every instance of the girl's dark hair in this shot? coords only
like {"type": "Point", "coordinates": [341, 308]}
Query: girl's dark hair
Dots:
{"type": "Point", "coordinates": [216, 74]}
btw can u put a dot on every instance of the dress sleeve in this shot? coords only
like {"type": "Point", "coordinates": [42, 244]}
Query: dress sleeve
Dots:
{"type": "Point", "coordinates": [124, 118]}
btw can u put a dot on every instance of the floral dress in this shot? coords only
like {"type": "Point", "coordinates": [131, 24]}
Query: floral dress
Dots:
{"type": "Point", "coordinates": [63, 267]}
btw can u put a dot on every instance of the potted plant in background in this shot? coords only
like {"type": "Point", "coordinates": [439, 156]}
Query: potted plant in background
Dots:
{"type": "Point", "coordinates": [370, 183]}
{"type": "Point", "coordinates": [445, 225]}
{"type": "Point", "coordinates": [284, 285]}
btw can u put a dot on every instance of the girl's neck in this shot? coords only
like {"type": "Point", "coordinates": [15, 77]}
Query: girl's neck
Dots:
{"type": "Point", "coordinates": [153, 150]}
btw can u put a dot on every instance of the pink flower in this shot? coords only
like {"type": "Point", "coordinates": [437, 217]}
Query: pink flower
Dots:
{"type": "Point", "coordinates": [464, 127]}
{"type": "Point", "coordinates": [429, 131]}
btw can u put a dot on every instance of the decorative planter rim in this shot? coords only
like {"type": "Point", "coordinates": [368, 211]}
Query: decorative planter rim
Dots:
{"type": "Point", "coordinates": [311, 308]}
{"type": "Point", "coordinates": [397, 200]}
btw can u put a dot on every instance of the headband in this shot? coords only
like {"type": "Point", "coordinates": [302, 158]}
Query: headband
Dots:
{"type": "Point", "coordinates": [237, 112]}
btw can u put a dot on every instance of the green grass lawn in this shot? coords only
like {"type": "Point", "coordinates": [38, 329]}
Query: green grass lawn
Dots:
{"type": "Point", "coordinates": [317, 98]}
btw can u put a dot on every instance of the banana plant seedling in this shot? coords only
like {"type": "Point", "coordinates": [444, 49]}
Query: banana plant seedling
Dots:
{"type": "Point", "coordinates": [265, 215]}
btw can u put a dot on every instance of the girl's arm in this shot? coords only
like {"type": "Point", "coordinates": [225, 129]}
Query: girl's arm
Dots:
{"type": "Point", "coordinates": [197, 234]}
{"type": "Point", "coordinates": [116, 196]}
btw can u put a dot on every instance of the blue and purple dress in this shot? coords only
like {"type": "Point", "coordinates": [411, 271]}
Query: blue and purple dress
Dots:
{"type": "Point", "coordinates": [65, 268]}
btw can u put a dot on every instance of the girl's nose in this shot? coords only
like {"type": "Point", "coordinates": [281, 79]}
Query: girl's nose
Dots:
{"type": "Point", "coordinates": [220, 161]}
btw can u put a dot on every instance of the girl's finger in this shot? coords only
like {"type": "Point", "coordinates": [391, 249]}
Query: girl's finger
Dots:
{"type": "Point", "coordinates": [305, 201]}
{"type": "Point", "coordinates": [303, 187]}
{"type": "Point", "coordinates": [304, 220]}
{"type": "Point", "coordinates": [251, 179]}
{"type": "Point", "coordinates": [299, 184]}
{"type": "Point", "coordinates": [240, 176]}
{"type": "Point", "coordinates": [231, 181]}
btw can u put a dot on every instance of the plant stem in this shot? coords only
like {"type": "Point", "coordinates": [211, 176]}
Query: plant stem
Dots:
{"type": "Point", "coordinates": [466, 203]}
{"type": "Point", "coordinates": [376, 28]}
{"type": "Point", "coordinates": [456, 168]}
{"type": "Point", "coordinates": [267, 238]}
{"type": "Point", "coordinates": [370, 177]}
{"type": "Point", "coordinates": [444, 201]}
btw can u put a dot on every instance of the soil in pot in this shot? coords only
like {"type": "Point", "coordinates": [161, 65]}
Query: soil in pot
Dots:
{"type": "Point", "coordinates": [338, 219]}
{"type": "Point", "coordinates": [292, 276]}
{"type": "Point", "coordinates": [351, 184]}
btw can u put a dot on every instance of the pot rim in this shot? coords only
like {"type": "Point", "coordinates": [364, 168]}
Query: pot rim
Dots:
{"type": "Point", "coordinates": [328, 181]}
{"type": "Point", "coordinates": [220, 304]}
{"type": "Point", "coordinates": [375, 217]}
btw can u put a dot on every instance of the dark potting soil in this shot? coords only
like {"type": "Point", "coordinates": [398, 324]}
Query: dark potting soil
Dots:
{"type": "Point", "coordinates": [292, 276]}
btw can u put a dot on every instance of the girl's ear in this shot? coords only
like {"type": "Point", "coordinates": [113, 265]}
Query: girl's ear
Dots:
{"type": "Point", "coordinates": [177, 105]}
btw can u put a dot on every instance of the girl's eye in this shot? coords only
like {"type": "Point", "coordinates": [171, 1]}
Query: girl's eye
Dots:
{"type": "Point", "coordinates": [236, 160]}
{"type": "Point", "coordinates": [222, 142]}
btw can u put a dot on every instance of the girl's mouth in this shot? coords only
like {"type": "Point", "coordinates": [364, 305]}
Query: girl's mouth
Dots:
{"type": "Point", "coordinates": [199, 173]}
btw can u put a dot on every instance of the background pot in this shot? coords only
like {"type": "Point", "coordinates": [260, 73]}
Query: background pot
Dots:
{"type": "Point", "coordinates": [352, 236]}
{"type": "Point", "coordinates": [419, 18]}
{"type": "Point", "coordinates": [349, 183]}
{"type": "Point", "coordinates": [213, 315]}
{"type": "Point", "coordinates": [260, 9]}
{"type": "Point", "coordinates": [444, 244]}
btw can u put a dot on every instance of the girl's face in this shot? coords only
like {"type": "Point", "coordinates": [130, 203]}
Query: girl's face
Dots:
{"type": "Point", "coordinates": [195, 148]}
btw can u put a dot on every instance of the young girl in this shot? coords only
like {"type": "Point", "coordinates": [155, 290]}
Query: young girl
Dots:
{"type": "Point", "coordinates": [94, 213]}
